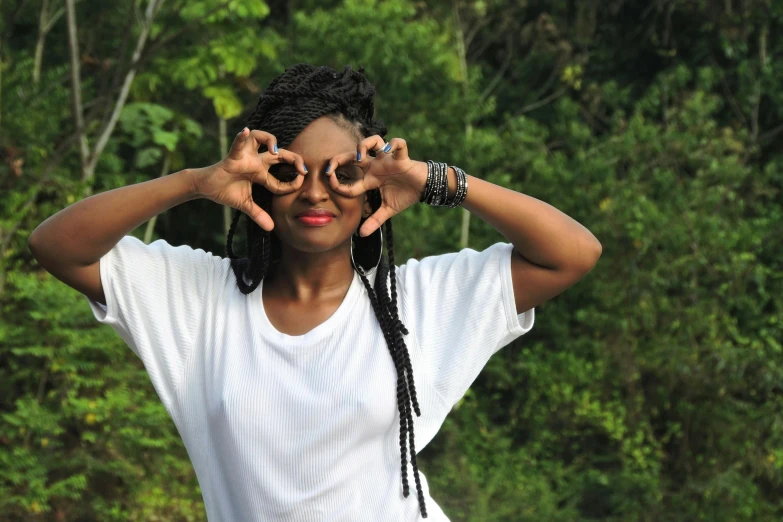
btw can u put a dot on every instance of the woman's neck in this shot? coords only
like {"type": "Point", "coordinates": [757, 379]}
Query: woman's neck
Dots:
{"type": "Point", "coordinates": [305, 276]}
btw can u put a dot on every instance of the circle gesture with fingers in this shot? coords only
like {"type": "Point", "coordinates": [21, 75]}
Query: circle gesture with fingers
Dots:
{"type": "Point", "coordinates": [230, 181]}
{"type": "Point", "coordinates": [391, 171]}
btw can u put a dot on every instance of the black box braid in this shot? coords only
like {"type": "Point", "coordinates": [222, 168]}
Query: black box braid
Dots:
{"type": "Point", "coordinates": [292, 101]}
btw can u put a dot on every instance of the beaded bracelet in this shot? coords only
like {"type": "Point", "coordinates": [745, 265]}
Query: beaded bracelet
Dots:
{"type": "Point", "coordinates": [436, 180]}
{"type": "Point", "coordinates": [436, 189]}
{"type": "Point", "coordinates": [427, 192]}
{"type": "Point", "coordinates": [462, 188]}
{"type": "Point", "coordinates": [443, 184]}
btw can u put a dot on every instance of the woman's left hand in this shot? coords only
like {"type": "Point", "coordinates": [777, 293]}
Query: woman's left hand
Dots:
{"type": "Point", "coordinates": [400, 179]}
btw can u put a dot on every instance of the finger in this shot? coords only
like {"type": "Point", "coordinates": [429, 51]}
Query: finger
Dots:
{"type": "Point", "coordinates": [284, 156]}
{"type": "Point", "coordinates": [264, 138]}
{"type": "Point", "coordinates": [375, 220]}
{"type": "Point", "coordinates": [383, 150]}
{"type": "Point", "coordinates": [344, 181]}
{"type": "Point", "coordinates": [285, 184]}
{"type": "Point", "coordinates": [277, 187]}
{"type": "Point", "coordinates": [292, 158]}
{"type": "Point", "coordinates": [345, 158]}
{"type": "Point", "coordinates": [258, 215]}
{"type": "Point", "coordinates": [398, 148]}
{"type": "Point", "coordinates": [374, 142]}
{"type": "Point", "coordinates": [235, 152]}
{"type": "Point", "coordinates": [348, 188]}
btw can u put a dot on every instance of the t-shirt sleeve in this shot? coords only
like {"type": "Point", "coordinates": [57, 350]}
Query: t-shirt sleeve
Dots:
{"type": "Point", "coordinates": [155, 299]}
{"type": "Point", "coordinates": [463, 311]}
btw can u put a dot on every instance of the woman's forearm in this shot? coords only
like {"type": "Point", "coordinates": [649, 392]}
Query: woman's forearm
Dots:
{"type": "Point", "coordinates": [539, 232]}
{"type": "Point", "coordinates": [82, 233]}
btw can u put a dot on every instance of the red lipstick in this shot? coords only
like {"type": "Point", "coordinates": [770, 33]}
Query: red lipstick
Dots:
{"type": "Point", "coordinates": [316, 217]}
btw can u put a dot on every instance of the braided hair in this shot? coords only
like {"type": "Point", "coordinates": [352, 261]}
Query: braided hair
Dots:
{"type": "Point", "coordinates": [300, 95]}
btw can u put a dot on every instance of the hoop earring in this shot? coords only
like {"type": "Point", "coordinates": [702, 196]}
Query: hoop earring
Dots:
{"type": "Point", "coordinates": [369, 257]}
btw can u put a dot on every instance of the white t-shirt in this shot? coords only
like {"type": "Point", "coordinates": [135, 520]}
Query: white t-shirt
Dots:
{"type": "Point", "coordinates": [285, 428]}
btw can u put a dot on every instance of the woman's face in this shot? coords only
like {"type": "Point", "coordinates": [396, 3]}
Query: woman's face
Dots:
{"type": "Point", "coordinates": [320, 141]}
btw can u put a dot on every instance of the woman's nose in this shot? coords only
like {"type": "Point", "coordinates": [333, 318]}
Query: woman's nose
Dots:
{"type": "Point", "coordinates": [315, 185]}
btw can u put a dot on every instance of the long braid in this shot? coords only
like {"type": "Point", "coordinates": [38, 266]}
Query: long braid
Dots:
{"type": "Point", "coordinates": [402, 389]}
{"type": "Point", "coordinates": [395, 314]}
{"type": "Point", "coordinates": [390, 243]}
{"type": "Point", "coordinates": [230, 238]}
{"type": "Point", "coordinates": [403, 351]}
{"type": "Point", "coordinates": [300, 95]}
{"type": "Point", "coordinates": [405, 387]}
{"type": "Point", "coordinates": [238, 265]}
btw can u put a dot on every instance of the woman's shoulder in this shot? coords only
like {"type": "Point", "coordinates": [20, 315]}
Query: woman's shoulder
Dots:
{"type": "Point", "coordinates": [466, 254]}
{"type": "Point", "coordinates": [161, 245]}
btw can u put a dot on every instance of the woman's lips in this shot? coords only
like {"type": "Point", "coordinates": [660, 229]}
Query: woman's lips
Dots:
{"type": "Point", "coordinates": [315, 221]}
{"type": "Point", "coordinates": [315, 217]}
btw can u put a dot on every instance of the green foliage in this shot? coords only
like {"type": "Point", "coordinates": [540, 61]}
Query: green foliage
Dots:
{"type": "Point", "coordinates": [650, 391]}
{"type": "Point", "coordinates": [80, 430]}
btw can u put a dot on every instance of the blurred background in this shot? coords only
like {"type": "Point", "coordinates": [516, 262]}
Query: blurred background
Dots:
{"type": "Point", "coordinates": [650, 391]}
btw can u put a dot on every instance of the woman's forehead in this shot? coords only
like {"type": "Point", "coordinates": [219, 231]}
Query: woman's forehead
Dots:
{"type": "Point", "coordinates": [323, 139]}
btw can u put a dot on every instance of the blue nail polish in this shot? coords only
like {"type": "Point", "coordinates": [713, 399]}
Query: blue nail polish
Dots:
{"type": "Point", "coordinates": [328, 168]}
{"type": "Point", "coordinates": [359, 156]}
{"type": "Point", "coordinates": [305, 168]}
{"type": "Point", "coordinates": [275, 148]}
{"type": "Point", "coordinates": [387, 148]}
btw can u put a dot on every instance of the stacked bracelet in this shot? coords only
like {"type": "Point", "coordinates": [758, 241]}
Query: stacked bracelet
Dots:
{"type": "Point", "coordinates": [436, 190]}
{"type": "Point", "coordinates": [462, 188]}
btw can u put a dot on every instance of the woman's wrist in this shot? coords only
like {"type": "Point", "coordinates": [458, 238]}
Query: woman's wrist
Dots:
{"type": "Point", "coordinates": [194, 176]}
{"type": "Point", "coordinates": [420, 172]}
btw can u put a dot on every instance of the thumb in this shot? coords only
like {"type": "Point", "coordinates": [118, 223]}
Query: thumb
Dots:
{"type": "Point", "coordinates": [375, 221]}
{"type": "Point", "coordinates": [258, 215]}
{"type": "Point", "coordinates": [235, 152]}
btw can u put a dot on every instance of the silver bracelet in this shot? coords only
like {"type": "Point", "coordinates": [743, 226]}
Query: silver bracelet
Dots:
{"type": "Point", "coordinates": [434, 186]}
{"type": "Point", "coordinates": [443, 187]}
{"type": "Point", "coordinates": [427, 192]}
{"type": "Point", "coordinates": [462, 188]}
{"type": "Point", "coordinates": [436, 189]}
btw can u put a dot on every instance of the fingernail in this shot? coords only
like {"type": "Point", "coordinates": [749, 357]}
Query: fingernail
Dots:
{"type": "Point", "coordinates": [328, 168]}
{"type": "Point", "coordinates": [359, 156]}
{"type": "Point", "coordinates": [275, 148]}
{"type": "Point", "coordinates": [387, 148]}
{"type": "Point", "coordinates": [305, 168]}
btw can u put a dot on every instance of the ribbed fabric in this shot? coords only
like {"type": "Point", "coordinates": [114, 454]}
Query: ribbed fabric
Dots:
{"type": "Point", "coordinates": [305, 428]}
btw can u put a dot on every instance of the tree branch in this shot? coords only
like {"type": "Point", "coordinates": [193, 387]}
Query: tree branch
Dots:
{"type": "Point", "coordinates": [108, 128]}
{"type": "Point", "coordinates": [542, 102]}
{"type": "Point", "coordinates": [727, 92]}
{"type": "Point", "coordinates": [474, 30]}
{"type": "Point", "coordinates": [166, 39]}
{"type": "Point", "coordinates": [76, 86]}
{"type": "Point", "coordinates": [501, 71]}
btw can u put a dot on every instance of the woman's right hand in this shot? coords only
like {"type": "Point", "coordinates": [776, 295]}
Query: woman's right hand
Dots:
{"type": "Point", "coordinates": [229, 182]}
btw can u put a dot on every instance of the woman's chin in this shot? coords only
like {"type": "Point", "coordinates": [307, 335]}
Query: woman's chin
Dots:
{"type": "Point", "coordinates": [314, 240]}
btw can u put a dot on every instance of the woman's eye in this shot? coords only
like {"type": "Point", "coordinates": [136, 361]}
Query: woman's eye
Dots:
{"type": "Point", "coordinates": [344, 178]}
{"type": "Point", "coordinates": [283, 174]}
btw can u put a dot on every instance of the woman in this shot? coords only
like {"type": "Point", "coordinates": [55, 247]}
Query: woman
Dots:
{"type": "Point", "coordinates": [272, 365]}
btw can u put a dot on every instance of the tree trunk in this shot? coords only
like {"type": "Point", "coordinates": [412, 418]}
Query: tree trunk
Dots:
{"type": "Point", "coordinates": [76, 86]}
{"type": "Point", "coordinates": [463, 64]}
{"type": "Point", "coordinates": [39, 44]}
{"type": "Point", "coordinates": [164, 171]}
{"type": "Point", "coordinates": [223, 154]}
